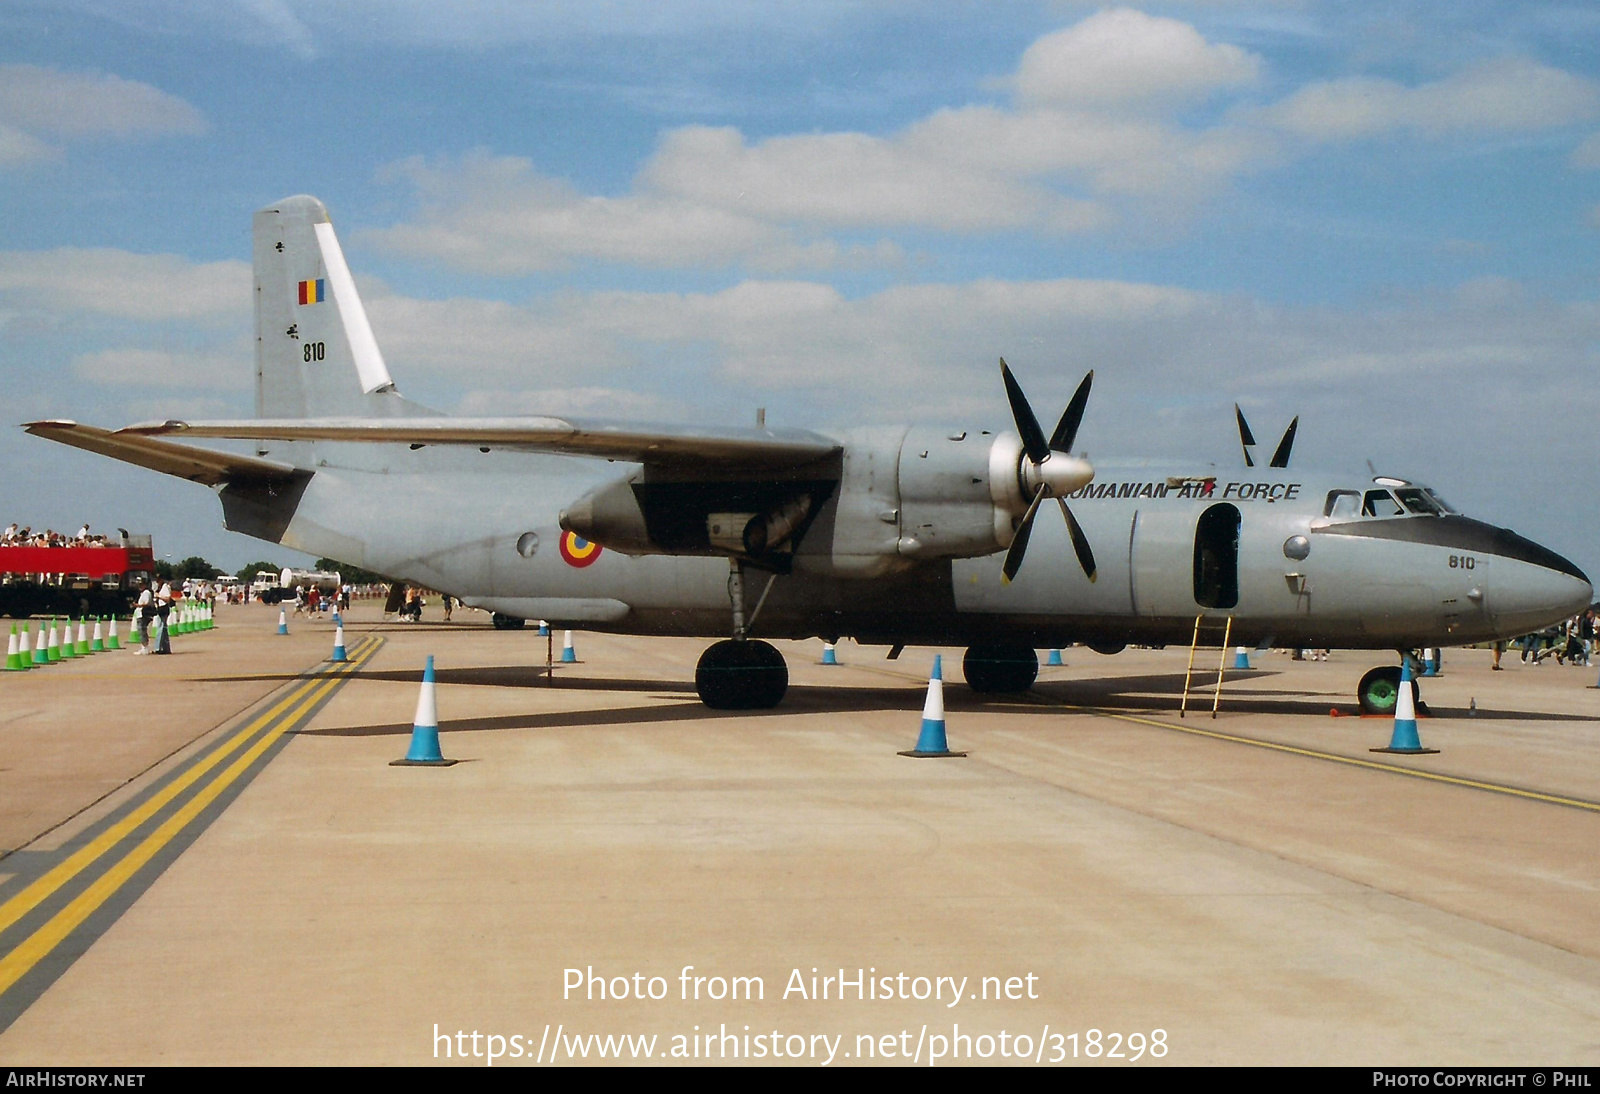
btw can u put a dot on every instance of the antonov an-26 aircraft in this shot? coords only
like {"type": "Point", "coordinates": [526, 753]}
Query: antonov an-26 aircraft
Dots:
{"type": "Point", "coordinates": [892, 535]}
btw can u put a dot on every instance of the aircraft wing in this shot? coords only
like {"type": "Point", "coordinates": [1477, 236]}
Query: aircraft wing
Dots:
{"type": "Point", "coordinates": [632, 442]}
{"type": "Point", "coordinates": [182, 460]}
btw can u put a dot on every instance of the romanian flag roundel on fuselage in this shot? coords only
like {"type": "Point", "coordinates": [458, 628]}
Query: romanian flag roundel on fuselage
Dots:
{"type": "Point", "coordinates": [577, 551]}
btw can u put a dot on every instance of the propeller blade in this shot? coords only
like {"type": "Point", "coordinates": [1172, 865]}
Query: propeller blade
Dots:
{"type": "Point", "coordinates": [1280, 458]}
{"type": "Point", "coordinates": [1033, 442]}
{"type": "Point", "coordinates": [1080, 543]}
{"type": "Point", "coordinates": [1246, 438]}
{"type": "Point", "coordinates": [1019, 542]}
{"type": "Point", "coordinates": [1067, 428]}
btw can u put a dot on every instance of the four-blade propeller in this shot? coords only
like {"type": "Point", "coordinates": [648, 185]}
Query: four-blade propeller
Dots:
{"type": "Point", "coordinates": [1047, 469]}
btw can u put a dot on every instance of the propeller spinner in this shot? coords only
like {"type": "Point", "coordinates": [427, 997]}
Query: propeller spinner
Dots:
{"type": "Point", "coordinates": [1047, 469]}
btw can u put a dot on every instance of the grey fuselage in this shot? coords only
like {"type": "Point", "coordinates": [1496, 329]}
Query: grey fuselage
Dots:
{"type": "Point", "coordinates": [459, 521]}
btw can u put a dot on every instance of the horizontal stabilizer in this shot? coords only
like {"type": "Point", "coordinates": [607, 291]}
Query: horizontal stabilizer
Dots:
{"type": "Point", "coordinates": [628, 441]}
{"type": "Point", "coordinates": [170, 458]}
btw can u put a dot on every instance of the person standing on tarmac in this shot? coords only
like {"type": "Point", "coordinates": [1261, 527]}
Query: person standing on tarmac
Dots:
{"type": "Point", "coordinates": [163, 643]}
{"type": "Point", "coordinates": [143, 612]}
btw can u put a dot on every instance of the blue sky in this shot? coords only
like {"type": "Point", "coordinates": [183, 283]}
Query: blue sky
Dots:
{"type": "Point", "coordinates": [1384, 221]}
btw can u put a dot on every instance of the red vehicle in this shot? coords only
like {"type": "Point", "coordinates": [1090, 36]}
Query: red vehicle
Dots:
{"type": "Point", "coordinates": [78, 580]}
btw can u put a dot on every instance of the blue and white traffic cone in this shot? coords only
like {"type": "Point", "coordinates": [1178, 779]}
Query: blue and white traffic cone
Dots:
{"type": "Point", "coordinates": [828, 656]}
{"type": "Point", "coordinates": [1054, 659]}
{"type": "Point", "coordinates": [544, 629]}
{"type": "Point", "coordinates": [283, 619]}
{"type": "Point", "coordinates": [424, 751]}
{"type": "Point", "coordinates": [338, 642]}
{"type": "Point", "coordinates": [1430, 662]}
{"type": "Point", "coordinates": [931, 741]}
{"type": "Point", "coordinates": [1241, 657]}
{"type": "Point", "coordinates": [1404, 740]}
{"type": "Point", "coordinates": [569, 656]}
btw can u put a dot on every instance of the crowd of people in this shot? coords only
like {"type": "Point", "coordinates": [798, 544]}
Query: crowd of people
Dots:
{"type": "Point", "coordinates": [310, 600]}
{"type": "Point", "coordinates": [1569, 643]}
{"type": "Point", "coordinates": [27, 537]}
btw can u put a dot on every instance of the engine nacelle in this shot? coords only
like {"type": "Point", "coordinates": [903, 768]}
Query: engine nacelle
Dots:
{"type": "Point", "coordinates": [959, 492]}
{"type": "Point", "coordinates": [896, 497]}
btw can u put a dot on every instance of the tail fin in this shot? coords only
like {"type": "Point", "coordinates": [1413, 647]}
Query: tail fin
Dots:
{"type": "Point", "coordinates": [315, 353]}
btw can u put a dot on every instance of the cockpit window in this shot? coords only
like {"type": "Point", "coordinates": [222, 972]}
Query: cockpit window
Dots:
{"type": "Point", "coordinates": [1380, 503]}
{"type": "Point", "coordinates": [1419, 501]}
{"type": "Point", "coordinates": [1434, 494]}
{"type": "Point", "coordinates": [1342, 504]}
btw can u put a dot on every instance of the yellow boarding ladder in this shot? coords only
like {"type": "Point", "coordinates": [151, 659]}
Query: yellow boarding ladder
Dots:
{"type": "Point", "coordinates": [1188, 674]}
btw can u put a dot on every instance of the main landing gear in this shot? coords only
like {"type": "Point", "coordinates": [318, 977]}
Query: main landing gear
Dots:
{"type": "Point", "coordinates": [1000, 669]}
{"type": "Point", "coordinates": [741, 673]}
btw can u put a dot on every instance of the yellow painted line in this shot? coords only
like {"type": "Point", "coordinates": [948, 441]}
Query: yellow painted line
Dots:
{"type": "Point", "coordinates": [41, 888]}
{"type": "Point", "coordinates": [36, 946]}
{"type": "Point", "coordinates": [1371, 765]}
{"type": "Point", "coordinates": [15, 965]}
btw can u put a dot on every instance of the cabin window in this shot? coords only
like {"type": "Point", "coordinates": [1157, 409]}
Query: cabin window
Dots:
{"type": "Point", "coordinates": [1342, 504]}
{"type": "Point", "coordinates": [1434, 494]}
{"type": "Point", "coordinates": [1419, 502]}
{"type": "Point", "coordinates": [1380, 503]}
{"type": "Point", "coordinates": [1216, 557]}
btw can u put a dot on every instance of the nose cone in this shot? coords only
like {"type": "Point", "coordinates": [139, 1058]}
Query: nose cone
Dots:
{"type": "Point", "coordinates": [1063, 473]}
{"type": "Point", "coordinates": [1528, 595]}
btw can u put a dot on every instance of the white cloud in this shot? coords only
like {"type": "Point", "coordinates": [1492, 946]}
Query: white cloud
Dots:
{"type": "Point", "coordinates": [1076, 147]}
{"type": "Point", "coordinates": [1512, 93]}
{"type": "Point", "coordinates": [279, 20]}
{"type": "Point", "coordinates": [77, 105]}
{"type": "Point", "coordinates": [162, 368]}
{"type": "Point", "coordinates": [124, 285]}
{"type": "Point", "coordinates": [1587, 154]}
{"type": "Point", "coordinates": [497, 215]}
{"type": "Point", "coordinates": [853, 180]}
{"type": "Point", "coordinates": [779, 334]}
{"type": "Point", "coordinates": [1125, 57]}
{"type": "Point", "coordinates": [18, 148]}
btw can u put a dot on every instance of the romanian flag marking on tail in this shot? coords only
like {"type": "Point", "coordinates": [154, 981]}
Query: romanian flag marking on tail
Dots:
{"type": "Point", "coordinates": [313, 292]}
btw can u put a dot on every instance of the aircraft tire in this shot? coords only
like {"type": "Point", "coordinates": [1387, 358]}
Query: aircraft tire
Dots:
{"type": "Point", "coordinates": [1379, 690]}
{"type": "Point", "coordinates": [748, 675]}
{"type": "Point", "coordinates": [1000, 669]}
{"type": "Point", "coordinates": [507, 622]}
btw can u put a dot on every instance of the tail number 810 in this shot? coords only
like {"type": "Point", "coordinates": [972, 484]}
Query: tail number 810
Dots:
{"type": "Point", "coordinates": [1463, 562]}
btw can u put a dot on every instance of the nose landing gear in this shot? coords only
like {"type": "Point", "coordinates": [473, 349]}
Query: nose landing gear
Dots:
{"type": "Point", "coordinates": [1379, 690]}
